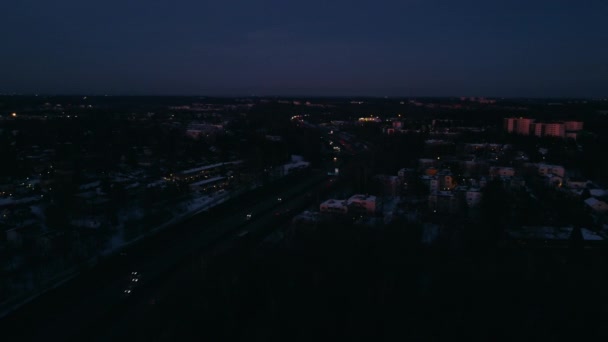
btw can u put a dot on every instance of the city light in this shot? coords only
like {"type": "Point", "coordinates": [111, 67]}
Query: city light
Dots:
{"type": "Point", "coordinates": [370, 119]}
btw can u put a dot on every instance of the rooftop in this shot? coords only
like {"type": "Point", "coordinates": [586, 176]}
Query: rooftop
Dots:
{"type": "Point", "coordinates": [207, 167]}
{"type": "Point", "coordinates": [361, 198]}
{"type": "Point", "coordinates": [597, 192]}
{"type": "Point", "coordinates": [206, 181]}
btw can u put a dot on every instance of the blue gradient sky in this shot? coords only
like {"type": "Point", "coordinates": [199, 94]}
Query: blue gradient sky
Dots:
{"type": "Point", "coordinates": [271, 47]}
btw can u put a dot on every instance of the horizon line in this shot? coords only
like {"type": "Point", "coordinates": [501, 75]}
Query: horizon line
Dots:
{"type": "Point", "coordinates": [312, 96]}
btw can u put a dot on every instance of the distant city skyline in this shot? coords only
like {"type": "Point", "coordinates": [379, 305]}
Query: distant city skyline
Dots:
{"type": "Point", "coordinates": [313, 48]}
{"type": "Point", "coordinates": [300, 97]}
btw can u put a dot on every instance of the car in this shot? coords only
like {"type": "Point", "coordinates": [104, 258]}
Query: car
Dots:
{"type": "Point", "coordinates": [128, 291]}
{"type": "Point", "coordinates": [279, 199]}
{"type": "Point", "coordinates": [248, 217]}
{"type": "Point", "coordinates": [135, 277]}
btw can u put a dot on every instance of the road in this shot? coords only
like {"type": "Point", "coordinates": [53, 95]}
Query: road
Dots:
{"type": "Point", "coordinates": [98, 295]}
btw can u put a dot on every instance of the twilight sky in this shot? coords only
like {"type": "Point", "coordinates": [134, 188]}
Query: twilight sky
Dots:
{"type": "Point", "coordinates": [530, 48]}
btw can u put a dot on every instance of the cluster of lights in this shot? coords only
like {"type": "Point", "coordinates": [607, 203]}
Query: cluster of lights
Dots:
{"type": "Point", "coordinates": [370, 119]}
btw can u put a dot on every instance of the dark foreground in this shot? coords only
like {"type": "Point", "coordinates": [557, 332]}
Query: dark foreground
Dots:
{"type": "Point", "coordinates": [357, 283]}
{"type": "Point", "coordinates": [366, 284]}
{"type": "Point", "coordinates": [218, 278]}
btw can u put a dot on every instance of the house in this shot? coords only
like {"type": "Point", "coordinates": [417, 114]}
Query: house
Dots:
{"type": "Point", "coordinates": [521, 126]}
{"type": "Point", "coordinates": [425, 163]}
{"type": "Point", "coordinates": [513, 183]}
{"type": "Point", "coordinates": [553, 129]}
{"type": "Point", "coordinates": [363, 202]}
{"type": "Point", "coordinates": [474, 167]}
{"type": "Point", "coordinates": [473, 197]}
{"type": "Point", "coordinates": [444, 202]}
{"type": "Point", "coordinates": [405, 173]}
{"type": "Point", "coordinates": [574, 183]}
{"type": "Point", "coordinates": [388, 185]}
{"type": "Point", "coordinates": [545, 169]}
{"type": "Point", "coordinates": [502, 171]}
{"type": "Point", "coordinates": [430, 171]}
{"type": "Point", "coordinates": [433, 184]}
{"type": "Point", "coordinates": [596, 205]}
{"type": "Point", "coordinates": [297, 163]}
{"type": "Point", "coordinates": [573, 126]}
{"type": "Point", "coordinates": [446, 180]}
{"type": "Point", "coordinates": [553, 180]}
{"type": "Point", "coordinates": [334, 206]}
{"type": "Point", "coordinates": [597, 192]}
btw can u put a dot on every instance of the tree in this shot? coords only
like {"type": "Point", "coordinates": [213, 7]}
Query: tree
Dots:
{"type": "Point", "coordinates": [585, 194]}
{"type": "Point", "coordinates": [56, 217]}
{"type": "Point", "coordinates": [495, 210]}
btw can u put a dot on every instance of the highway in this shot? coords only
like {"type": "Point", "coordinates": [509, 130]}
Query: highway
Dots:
{"type": "Point", "coordinates": [97, 298]}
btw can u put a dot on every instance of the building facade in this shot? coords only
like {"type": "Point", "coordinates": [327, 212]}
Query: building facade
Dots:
{"type": "Point", "coordinates": [334, 206]}
{"type": "Point", "coordinates": [521, 126]}
{"type": "Point", "coordinates": [363, 202]}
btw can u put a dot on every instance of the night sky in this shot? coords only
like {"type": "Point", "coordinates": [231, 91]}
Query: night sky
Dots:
{"type": "Point", "coordinates": [282, 47]}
